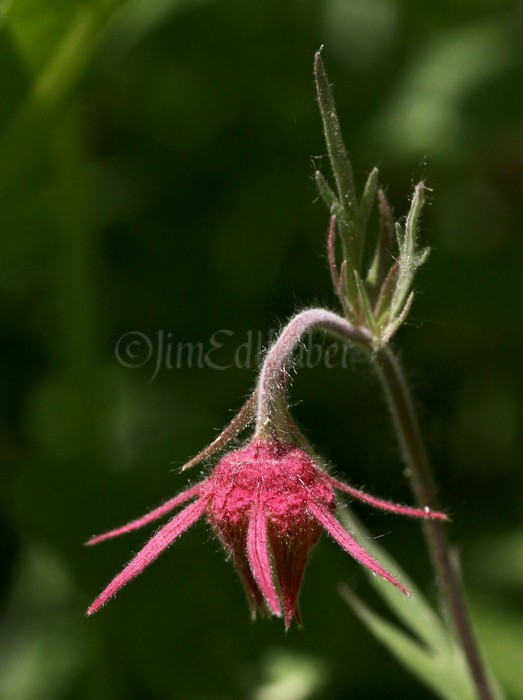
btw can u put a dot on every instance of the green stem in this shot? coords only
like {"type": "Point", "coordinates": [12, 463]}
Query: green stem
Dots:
{"type": "Point", "coordinates": [422, 484]}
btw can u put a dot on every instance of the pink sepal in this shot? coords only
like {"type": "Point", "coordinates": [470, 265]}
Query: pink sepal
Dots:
{"type": "Point", "coordinates": [349, 544]}
{"type": "Point", "coordinates": [425, 513]}
{"type": "Point", "coordinates": [150, 517]}
{"type": "Point", "coordinates": [259, 559]}
{"type": "Point", "coordinates": [156, 545]}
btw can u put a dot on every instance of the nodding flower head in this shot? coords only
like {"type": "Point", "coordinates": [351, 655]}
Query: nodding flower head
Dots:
{"type": "Point", "coordinates": [268, 502]}
{"type": "Point", "coordinates": [260, 507]}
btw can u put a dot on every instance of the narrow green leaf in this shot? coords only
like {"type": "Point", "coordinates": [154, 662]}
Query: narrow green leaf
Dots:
{"type": "Point", "coordinates": [381, 311]}
{"type": "Point", "coordinates": [396, 324]}
{"type": "Point", "coordinates": [331, 253]}
{"type": "Point", "coordinates": [381, 261]}
{"type": "Point", "coordinates": [411, 226]}
{"type": "Point", "coordinates": [400, 235]}
{"type": "Point", "coordinates": [414, 611]}
{"type": "Point", "coordinates": [341, 167]}
{"type": "Point", "coordinates": [337, 153]}
{"type": "Point", "coordinates": [345, 301]}
{"type": "Point", "coordinates": [387, 230]}
{"type": "Point", "coordinates": [437, 671]}
{"type": "Point", "coordinates": [368, 198]}
{"type": "Point", "coordinates": [365, 306]}
{"type": "Point", "coordinates": [420, 620]}
{"type": "Point", "coordinates": [325, 191]}
{"type": "Point", "coordinates": [409, 257]}
{"type": "Point", "coordinates": [342, 223]}
{"type": "Point", "coordinates": [421, 257]}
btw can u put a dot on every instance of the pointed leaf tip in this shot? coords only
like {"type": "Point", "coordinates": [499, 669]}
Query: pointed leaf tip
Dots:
{"type": "Point", "coordinates": [368, 199]}
{"type": "Point", "coordinates": [317, 58]}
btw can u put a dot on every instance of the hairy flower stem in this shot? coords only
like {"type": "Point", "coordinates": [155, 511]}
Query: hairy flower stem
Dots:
{"type": "Point", "coordinates": [271, 405]}
{"type": "Point", "coordinates": [423, 487]}
{"type": "Point", "coordinates": [270, 401]}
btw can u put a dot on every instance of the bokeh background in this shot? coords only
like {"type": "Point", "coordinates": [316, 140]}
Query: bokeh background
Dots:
{"type": "Point", "coordinates": [156, 162]}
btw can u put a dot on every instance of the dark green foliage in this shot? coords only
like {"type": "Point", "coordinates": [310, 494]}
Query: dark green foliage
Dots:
{"type": "Point", "coordinates": [155, 174]}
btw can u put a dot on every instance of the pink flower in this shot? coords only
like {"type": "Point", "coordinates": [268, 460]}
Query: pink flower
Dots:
{"type": "Point", "coordinates": [268, 502]}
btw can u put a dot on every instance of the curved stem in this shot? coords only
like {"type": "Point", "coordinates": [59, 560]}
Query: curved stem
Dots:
{"type": "Point", "coordinates": [422, 484]}
{"type": "Point", "coordinates": [271, 402]}
{"type": "Point", "coordinates": [271, 384]}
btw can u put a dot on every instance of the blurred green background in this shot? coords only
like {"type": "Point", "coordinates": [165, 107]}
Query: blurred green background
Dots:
{"type": "Point", "coordinates": [156, 162]}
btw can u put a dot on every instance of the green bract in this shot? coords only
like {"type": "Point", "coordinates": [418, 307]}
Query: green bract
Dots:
{"type": "Point", "coordinates": [380, 298]}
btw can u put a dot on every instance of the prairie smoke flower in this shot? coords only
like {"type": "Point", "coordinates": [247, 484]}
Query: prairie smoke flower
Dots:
{"type": "Point", "coordinates": [268, 502]}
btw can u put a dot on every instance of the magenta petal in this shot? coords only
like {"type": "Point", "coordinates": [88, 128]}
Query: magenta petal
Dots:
{"type": "Point", "coordinates": [154, 547]}
{"type": "Point", "coordinates": [290, 558]}
{"type": "Point", "coordinates": [387, 505]}
{"type": "Point", "coordinates": [234, 544]}
{"type": "Point", "coordinates": [149, 517]}
{"type": "Point", "coordinates": [259, 559]}
{"type": "Point", "coordinates": [349, 544]}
